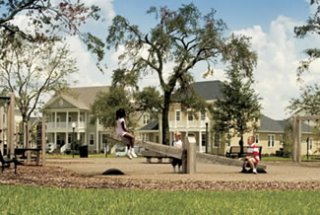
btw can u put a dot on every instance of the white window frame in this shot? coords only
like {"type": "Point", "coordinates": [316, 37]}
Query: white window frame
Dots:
{"type": "Point", "coordinates": [178, 115]}
{"type": "Point", "coordinates": [203, 115]}
{"type": "Point", "coordinates": [271, 140]}
{"type": "Point", "coordinates": [93, 139]}
{"type": "Point", "coordinates": [257, 138]}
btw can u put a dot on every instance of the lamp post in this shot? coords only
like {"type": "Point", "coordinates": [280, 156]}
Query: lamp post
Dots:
{"type": "Point", "coordinates": [73, 125]}
{"type": "Point", "coordinates": [207, 135]}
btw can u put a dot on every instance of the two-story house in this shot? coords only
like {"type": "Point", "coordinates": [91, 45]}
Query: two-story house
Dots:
{"type": "Point", "coordinates": [69, 118]}
{"type": "Point", "coordinates": [269, 135]}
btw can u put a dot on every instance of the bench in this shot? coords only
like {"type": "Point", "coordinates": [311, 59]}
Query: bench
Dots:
{"type": "Point", "coordinates": [152, 154]}
{"type": "Point", "coordinates": [234, 152]}
{"type": "Point", "coordinates": [5, 163]}
{"type": "Point", "coordinates": [21, 153]}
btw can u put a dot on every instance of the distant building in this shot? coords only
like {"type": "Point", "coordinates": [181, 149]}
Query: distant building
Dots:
{"type": "Point", "coordinates": [69, 117]}
{"type": "Point", "coordinates": [270, 134]}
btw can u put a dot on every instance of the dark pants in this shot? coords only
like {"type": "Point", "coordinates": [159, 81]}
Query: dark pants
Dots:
{"type": "Point", "coordinates": [176, 162]}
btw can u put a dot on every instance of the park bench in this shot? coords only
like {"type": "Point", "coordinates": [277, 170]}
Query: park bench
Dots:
{"type": "Point", "coordinates": [234, 152]}
{"type": "Point", "coordinates": [21, 153]}
{"type": "Point", "coordinates": [5, 163]}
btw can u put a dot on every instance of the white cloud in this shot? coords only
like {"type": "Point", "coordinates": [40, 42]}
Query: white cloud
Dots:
{"type": "Point", "coordinates": [278, 58]}
{"type": "Point", "coordinates": [88, 73]}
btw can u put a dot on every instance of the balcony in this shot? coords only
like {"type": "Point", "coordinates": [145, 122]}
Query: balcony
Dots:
{"type": "Point", "coordinates": [64, 126]}
{"type": "Point", "coordinates": [194, 124]}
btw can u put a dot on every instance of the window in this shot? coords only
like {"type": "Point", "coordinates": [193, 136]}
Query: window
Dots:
{"type": "Point", "coordinates": [81, 117]}
{"type": "Point", "coordinates": [178, 115]}
{"type": "Point", "coordinates": [91, 139]}
{"type": "Point", "coordinates": [309, 143]}
{"type": "Point", "coordinates": [216, 139]}
{"type": "Point", "coordinates": [257, 138]}
{"type": "Point", "coordinates": [203, 139]}
{"type": "Point", "coordinates": [190, 116]}
{"type": "Point", "coordinates": [146, 119]}
{"type": "Point", "coordinates": [271, 140]}
{"type": "Point", "coordinates": [203, 115]}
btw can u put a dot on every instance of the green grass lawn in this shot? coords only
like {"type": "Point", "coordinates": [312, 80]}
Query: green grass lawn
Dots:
{"type": "Point", "coordinates": [32, 200]}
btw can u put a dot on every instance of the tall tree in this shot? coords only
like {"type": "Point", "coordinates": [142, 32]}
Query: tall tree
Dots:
{"type": "Point", "coordinates": [183, 37]}
{"type": "Point", "coordinates": [33, 70]}
{"type": "Point", "coordinates": [309, 99]}
{"type": "Point", "coordinates": [239, 109]}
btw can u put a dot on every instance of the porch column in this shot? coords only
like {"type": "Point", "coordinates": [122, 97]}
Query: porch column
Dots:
{"type": "Point", "coordinates": [55, 139]}
{"type": "Point", "coordinates": [1, 129]}
{"type": "Point", "coordinates": [200, 141]}
{"type": "Point", "coordinates": [55, 120]}
{"type": "Point", "coordinates": [67, 120]}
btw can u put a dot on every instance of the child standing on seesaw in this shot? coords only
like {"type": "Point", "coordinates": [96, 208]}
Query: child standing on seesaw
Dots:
{"type": "Point", "coordinates": [123, 132]}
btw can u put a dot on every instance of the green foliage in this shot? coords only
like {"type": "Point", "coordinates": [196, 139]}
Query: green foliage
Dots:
{"type": "Point", "coordinates": [149, 99]}
{"type": "Point", "coordinates": [239, 109]}
{"type": "Point", "coordinates": [308, 101]}
{"type": "Point", "coordinates": [182, 37]}
{"type": "Point", "coordinates": [312, 26]}
{"type": "Point", "coordinates": [33, 200]}
{"type": "Point", "coordinates": [105, 106]}
{"type": "Point", "coordinates": [49, 18]}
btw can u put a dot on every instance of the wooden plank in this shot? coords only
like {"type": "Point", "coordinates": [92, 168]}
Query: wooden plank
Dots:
{"type": "Point", "coordinates": [208, 158]}
{"type": "Point", "coordinates": [163, 149]}
{"type": "Point", "coordinates": [169, 151]}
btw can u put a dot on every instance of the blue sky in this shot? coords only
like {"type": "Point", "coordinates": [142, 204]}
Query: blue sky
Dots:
{"type": "Point", "coordinates": [269, 23]}
{"type": "Point", "coordinates": [236, 13]}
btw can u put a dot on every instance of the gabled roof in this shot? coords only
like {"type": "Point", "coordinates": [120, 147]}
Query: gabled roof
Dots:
{"type": "Point", "coordinates": [80, 97]}
{"type": "Point", "coordinates": [208, 90]}
{"type": "Point", "coordinates": [270, 125]}
{"type": "Point", "coordinates": [154, 125]}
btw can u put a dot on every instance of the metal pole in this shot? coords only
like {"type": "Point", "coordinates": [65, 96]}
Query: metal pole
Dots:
{"type": "Point", "coordinates": [72, 142]}
{"type": "Point", "coordinates": [206, 137]}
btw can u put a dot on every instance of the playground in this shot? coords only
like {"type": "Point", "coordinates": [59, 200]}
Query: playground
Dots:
{"type": "Point", "coordinates": [138, 174]}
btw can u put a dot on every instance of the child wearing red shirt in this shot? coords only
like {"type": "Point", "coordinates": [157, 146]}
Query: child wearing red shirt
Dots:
{"type": "Point", "coordinates": [253, 155]}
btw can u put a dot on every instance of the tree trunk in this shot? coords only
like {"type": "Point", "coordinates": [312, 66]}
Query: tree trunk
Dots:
{"type": "Point", "coordinates": [241, 145]}
{"type": "Point", "coordinates": [165, 118]}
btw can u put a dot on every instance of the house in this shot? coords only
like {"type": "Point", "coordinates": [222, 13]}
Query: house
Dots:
{"type": "Point", "coordinates": [69, 118]}
{"type": "Point", "coordinates": [185, 122]}
{"type": "Point", "coordinates": [270, 133]}
{"type": "Point", "coordinates": [271, 136]}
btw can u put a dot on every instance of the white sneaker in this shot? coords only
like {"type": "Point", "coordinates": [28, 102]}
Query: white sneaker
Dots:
{"type": "Point", "coordinates": [133, 154]}
{"type": "Point", "coordinates": [255, 171]}
{"type": "Point", "coordinates": [129, 154]}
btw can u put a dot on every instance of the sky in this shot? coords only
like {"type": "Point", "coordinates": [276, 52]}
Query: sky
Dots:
{"type": "Point", "coordinates": [269, 23]}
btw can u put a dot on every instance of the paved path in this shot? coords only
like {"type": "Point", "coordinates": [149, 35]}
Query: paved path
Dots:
{"type": "Point", "coordinates": [139, 169]}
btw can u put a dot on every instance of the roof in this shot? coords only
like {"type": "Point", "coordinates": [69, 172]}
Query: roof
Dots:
{"type": "Point", "coordinates": [154, 125]}
{"type": "Point", "coordinates": [270, 125]}
{"type": "Point", "coordinates": [209, 90]}
{"type": "Point", "coordinates": [87, 95]}
{"type": "Point", "coordinates": [80, 97]}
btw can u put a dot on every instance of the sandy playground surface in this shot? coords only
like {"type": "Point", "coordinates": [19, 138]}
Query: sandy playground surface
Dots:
{"type": "Point", "coordinates": [138, 174]}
